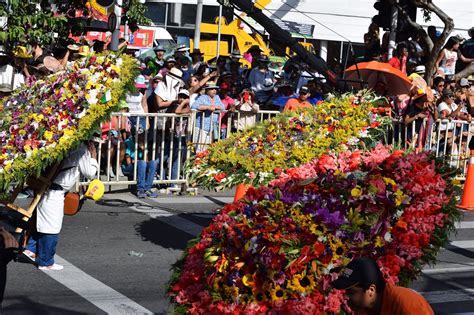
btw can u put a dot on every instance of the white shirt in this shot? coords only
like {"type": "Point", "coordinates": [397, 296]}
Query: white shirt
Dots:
{"type": "Point", "coordinates": [442, 107]}
{"type": "Point", "coordinates": [261, 81]}
{"type": "Point", "coordinates": [50, 211]}
{"type": "Point", "coordinates": [134, 102]}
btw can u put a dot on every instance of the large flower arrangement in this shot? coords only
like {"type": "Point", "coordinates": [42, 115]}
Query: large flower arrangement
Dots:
{"type": "Point", "coordinates": [40, 123]}
{"type": "Point", "coordinates": [277, 250]}
{"type": "Point", "coordinates": [257, 155]}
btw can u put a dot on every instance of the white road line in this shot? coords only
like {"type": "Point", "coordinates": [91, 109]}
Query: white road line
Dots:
{"type": "Point", "coordinates": [94, 291]}
{"type": "Point", "coordinates": [464, 225]}
{"type": "Point", "coordinates": [167, 217]}
{"type": "Point", "coordinates": [454, 267]}
{"type": "Point", "coordinates": [460, 244]}
{"type": "Point", "coordinates": [449, 296]}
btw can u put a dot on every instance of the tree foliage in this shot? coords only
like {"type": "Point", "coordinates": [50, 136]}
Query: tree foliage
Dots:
{"type": "Point", "coordinates": [34, 20]}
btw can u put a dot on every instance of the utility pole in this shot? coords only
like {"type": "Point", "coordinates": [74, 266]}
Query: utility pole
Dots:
{"type": "Point", "coordinates": [197, 30]}
{"type": "Point", "coordinates": [219, 32]}
{"type": "Point", "coordinates": [116, 33]}
{"type": "Point", "coordinates": [393, 31]}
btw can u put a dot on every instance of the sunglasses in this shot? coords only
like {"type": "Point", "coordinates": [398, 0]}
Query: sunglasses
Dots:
{"type": "Point", "coordinates": [440, 85]}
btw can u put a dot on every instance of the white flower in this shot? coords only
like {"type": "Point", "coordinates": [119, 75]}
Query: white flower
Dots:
{"type": "Point", "coordinates": [388, 237]}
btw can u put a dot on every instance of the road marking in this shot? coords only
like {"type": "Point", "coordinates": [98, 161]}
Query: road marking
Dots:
{"type": "Point", "coordinates": [460, 244]}
{"type": "Point", "coordinates": [449, 296]}
{"type": "Point", "coordinates": [464, 225]}
{"type": "Point", "coordinates": [166, 217]}
{"type": "Point", "coordinates": [96, 292]}
{"type": "Point", "coordinates": [453, 268]}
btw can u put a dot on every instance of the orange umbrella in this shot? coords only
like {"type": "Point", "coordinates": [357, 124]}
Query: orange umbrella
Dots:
{"type": "Point", "coordinates": [373, 71]}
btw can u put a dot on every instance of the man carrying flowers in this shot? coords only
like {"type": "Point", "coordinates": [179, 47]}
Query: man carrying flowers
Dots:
{"type": "Point", "coordinates": [41, 246]}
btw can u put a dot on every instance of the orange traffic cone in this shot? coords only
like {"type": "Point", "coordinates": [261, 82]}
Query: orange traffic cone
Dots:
{"type": "Point", "coordinates": [467, 201]}
{"type": "Point", "coordinates": [241, 190]}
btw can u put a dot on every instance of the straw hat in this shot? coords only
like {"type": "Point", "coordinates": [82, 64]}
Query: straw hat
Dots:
{"type": "Point", "coordinates": [85, 51]}
{"type": "Point", "coordinates": [175, 73]}
{"type": "Point", "coordinates": [21, 52]}
{"type": "Point", "coordinates": [211, 85]}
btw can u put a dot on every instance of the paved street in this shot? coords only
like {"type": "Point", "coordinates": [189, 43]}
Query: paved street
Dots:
{"type": "Point", "coordinates": [117, 260]}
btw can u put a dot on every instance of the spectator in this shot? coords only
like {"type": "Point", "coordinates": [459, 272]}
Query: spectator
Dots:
{"type": "Point", "coordinates": [207, 121]}
{"type": "Point", "coordinates": [300, 102]}
{"type": "Point", "coordinates": [158, 62]}
{"type": "Point", "coordinates": [50, 211]}
{"type": "Point", "coordinates": [146, 167]}
{"type": "Point", "coordinates": [399, 61]}
{"type": "Point", "coordinates": [372, 42]}
{"type": "Point", "coordinates": [446, 61]}
{"type": "Point", "coordinates": [247, 110]}
{"type": "Point", "coordinates": [229, 104]}
{"type": "Point", "coordinates": [432, 33]}
{"type": "Point", "coordinates": [438, 86]}
{"type": "Point", "coordinates": [181, 51]}
{"type": "Point", "coordinates": [180, 131]}
{"type": "Point", "coordinates": [368, 292]}
{"type": "Point", "coordinates": [316, 90]}
{"type": "Point", "coordinates": [261, 80]}
{"type": "Point", "coordinates": [448, 109]}
{"type": "Point", "coordinates": [283, 94]}
{"type": "Point", "coordinates": [137, 104]}
{"type": "Point", "coordinates": [417, 111]}
{"type": "Point", "coordinates": [467, 50]}
{"type": "Point", "coordinates": [196, 84]}
{"type": "Point", "coordinates": [255, 53]}
{"type": "Point", "coordinates": [196, 59]}
{"type": "Point", "coordinates": [169, 64]}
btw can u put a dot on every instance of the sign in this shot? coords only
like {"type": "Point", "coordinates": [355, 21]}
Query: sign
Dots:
{"type": "Point", "coordinates": [139, 39]}
{"type": "Point", "coordinates": [305, 30]}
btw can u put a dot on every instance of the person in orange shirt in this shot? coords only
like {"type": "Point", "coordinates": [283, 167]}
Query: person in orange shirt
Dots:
{"type": "Point", "coordinates": [368, 292]}
{"type": "Point", "coordinates": [299, 102]}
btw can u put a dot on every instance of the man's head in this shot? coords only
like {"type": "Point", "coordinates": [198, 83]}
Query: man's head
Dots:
{"type": "Point", "coordinates": [211, 89]}
{"type": "Point", "coordinates": [160, 52]}
{"type": "Point", "coordinates": [448, 96]}
{"type": "Point", "coordinates": [304, 93]}
{"type": "Point", "coordinates": [363, 282]}
{"type": "Point", "coordinates": [470, 32]}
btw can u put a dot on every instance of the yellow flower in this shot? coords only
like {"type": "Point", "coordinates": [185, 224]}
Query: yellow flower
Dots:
{"type": "Point", "coordinates": [69, 132]}
{"type": "Point", "coordinates": [48, 135]}
{"type": "Point", "coordinates": [389, 181]}
{"type": "Point", "coordinates": [356, 192]}
{"type": "Point", "coordinates": [302, 284]}
{"type": "Point", "coordinates": [379, 242]}
{"type": "Point", "coordinates": [247, 280]}
{"type": "Point", "coordinates": [277, 293]}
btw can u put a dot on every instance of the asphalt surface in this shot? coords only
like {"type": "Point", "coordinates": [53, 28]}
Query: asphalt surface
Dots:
{"type": "Point", "coordinates": [118, 257]}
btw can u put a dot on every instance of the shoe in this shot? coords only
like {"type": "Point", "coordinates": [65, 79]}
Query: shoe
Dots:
{"type": "Point", "coordinates": [120, 173]}
{"type": "Point", "coordinates": [141, 194]}
{"type": "Point", "coordinates": [52, 267]}
{"type": "Point", "coordinates": [30, 255]}
{"type": "Point", "coordinates": [111, 173]}
{"type": "Point", "coordinates": [151, 194]}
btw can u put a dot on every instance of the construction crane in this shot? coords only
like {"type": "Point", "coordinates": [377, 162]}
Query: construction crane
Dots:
{"type": "Point", "coordinates": [284, 38]}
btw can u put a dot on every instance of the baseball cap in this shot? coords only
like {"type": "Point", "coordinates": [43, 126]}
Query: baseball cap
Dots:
{"type": "Point", "coordinates": [184, 92]}
{"type": "Point", "coordinates": [363, 271]}
{"type": "Point", "coordinates": [464, 82]}
{"type": "Point", "coordinates": [304, 90]}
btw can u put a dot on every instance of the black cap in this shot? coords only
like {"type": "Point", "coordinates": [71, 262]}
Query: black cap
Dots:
{"type": "Point", "coordinates": [145, 71]}
{"type": "Point", "coordinates": [363, 271]}
{"type": "Point", "coordinates": [449, 78]}
{"type": "Point", "coordinates": [304, 90]}
{"type": "Point", "coordinates": [447, 93]}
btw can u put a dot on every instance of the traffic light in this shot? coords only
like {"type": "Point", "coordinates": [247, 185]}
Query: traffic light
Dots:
{"type": "Point", "coordinates": [384, 17]}
{"type": "Point", "coordinates": [409, 8]}
{"type": "Point", "coordinates": [105, 3]}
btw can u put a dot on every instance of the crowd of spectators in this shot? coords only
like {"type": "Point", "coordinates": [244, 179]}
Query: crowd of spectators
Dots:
{"type": "Point", "coordinates": [227, 96]}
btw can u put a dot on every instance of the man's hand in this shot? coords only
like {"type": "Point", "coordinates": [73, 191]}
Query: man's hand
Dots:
{"type": "Point", "coordinates": [9, 240]}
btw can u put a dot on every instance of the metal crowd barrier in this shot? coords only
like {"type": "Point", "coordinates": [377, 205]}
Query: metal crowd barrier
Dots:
{"type": "Point", "coordinates": [167, 139]}
{"type": "Point", "coordinates": [445, 137]}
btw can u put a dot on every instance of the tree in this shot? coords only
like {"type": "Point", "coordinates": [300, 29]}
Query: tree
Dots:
{"type": "Point", "coordinates": [34, 20]}
{"type": "Point", "coordinates": [433, 47]}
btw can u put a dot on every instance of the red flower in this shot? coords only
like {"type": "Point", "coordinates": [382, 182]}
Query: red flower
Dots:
{"type": "Point", "coordinates": [219, 177]}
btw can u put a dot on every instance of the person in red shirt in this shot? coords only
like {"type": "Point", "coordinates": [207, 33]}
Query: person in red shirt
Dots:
{"type": "Point", "coordinates": [299, 102]}
{"type": "Point", "coordinates": [399, 61]}
{"type": "Point", "coordinates": [368, 292]}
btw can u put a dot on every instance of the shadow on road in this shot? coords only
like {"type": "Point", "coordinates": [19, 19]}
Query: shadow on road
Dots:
{"type": "Point", "coordinates": [162, 234]}
{"type": "Point", "coordinates": [26, 306]}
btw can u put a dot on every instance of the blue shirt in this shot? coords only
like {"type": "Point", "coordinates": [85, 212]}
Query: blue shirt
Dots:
{"type": "Point", "coordinates": [205, 100]}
